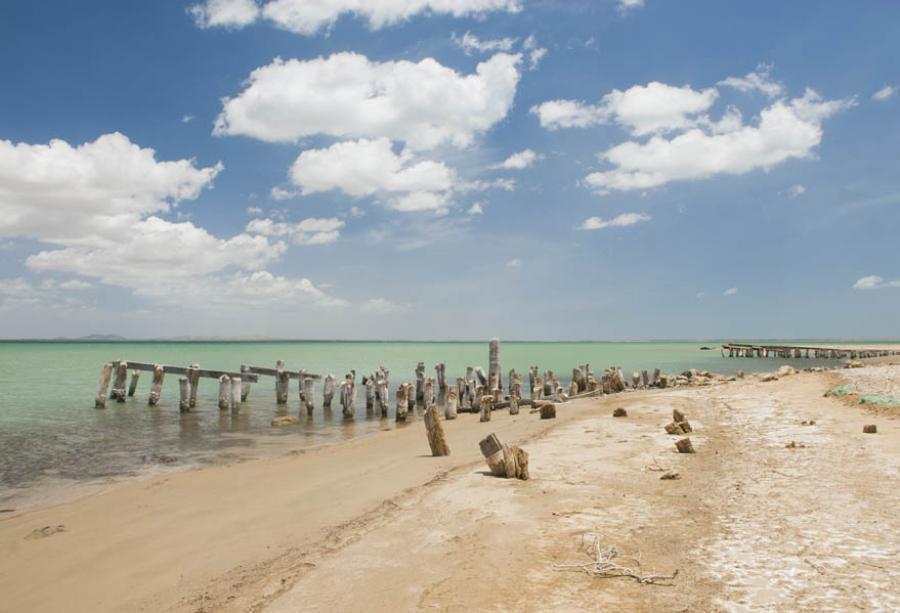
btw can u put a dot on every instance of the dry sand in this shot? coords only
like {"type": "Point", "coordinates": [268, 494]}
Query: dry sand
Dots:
{"type": "Point", "coordinates": [377, 525]}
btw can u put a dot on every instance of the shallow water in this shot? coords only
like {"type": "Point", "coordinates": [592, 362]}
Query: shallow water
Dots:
{"type": "Point", "coordinates": [52, 438]}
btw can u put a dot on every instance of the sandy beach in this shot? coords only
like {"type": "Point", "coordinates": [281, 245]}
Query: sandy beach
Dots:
{"type": "Point", "coordinates": [768, 514]}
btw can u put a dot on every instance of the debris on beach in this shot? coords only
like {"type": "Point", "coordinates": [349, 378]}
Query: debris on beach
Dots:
{"type": "Point", "coordinates": [605, 562]}
{"type": "Point", "coordinates": [670, 475]}
{"type": "Point", "coordinates": [840, 390]}
{"type": "Point", "coordinates": [548, 410]}
{"type": "Point", "coordinates": [506, 461]}
{"type": "Point", "coordinates": [437, 440]}
{"type": "Point", "coordinates": [679, 424]}
{"type": "Point", "coordinates": [620, 412]}
{"type": "Point", "coordinates": [684, 445]}
{"type": "Point", "coordinates": [795, 445]}
{"type": "Point", "coordinates": [40, 533]}
{"type": "Point", "coordinates": [870, 429]}
{"type": "Point", "coordinates": [808, 422]}
{"type": "Point", "coordinates": [285, 420]}
{"type": "Point", "coordinates": [854, 364]}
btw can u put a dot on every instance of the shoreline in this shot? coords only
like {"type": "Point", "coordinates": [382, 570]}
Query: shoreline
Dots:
{"type": "Point", "coordinates": [260, 523]}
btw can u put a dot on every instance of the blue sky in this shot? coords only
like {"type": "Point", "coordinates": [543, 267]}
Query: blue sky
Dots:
{"type": "Point", "coordinates": [450, 169]}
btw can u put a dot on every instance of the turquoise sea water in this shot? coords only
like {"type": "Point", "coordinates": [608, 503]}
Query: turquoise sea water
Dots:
{"type": "Point", "coordinates": [51, 433]}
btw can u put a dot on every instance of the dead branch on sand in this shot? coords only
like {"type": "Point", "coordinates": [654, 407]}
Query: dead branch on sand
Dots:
{"type": "Point", "coordinates": [604, 563]}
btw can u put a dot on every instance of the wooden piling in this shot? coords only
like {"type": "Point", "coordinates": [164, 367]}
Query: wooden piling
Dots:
{"type": "Point", "coordinates": [328, 386]}
{"type": "Point", "coordinates": [440, 371]}
{"type": "Point", "coordinates": [224, 392]}
{"type": "Point", "coordinates": [450, 406]}
{"type": "Point", "coordinates": [156, 386]}
{"type": "Point", "coordinates": [420, 384]}
{"type": "Point", "coordinates": [309, 395]}
{"type": "Point", "coordinates": [184, 395]}
{"type": "Point", "coordinates": [495, 376]}
{"type": "Point", "coordinates": [282, 380]}
{"type": "Point", "coordinates": [487, 403]}
{"type": "Point", "coordinates": [103, 385]}
{"type": "Point", "coordinates": [118, 389]}
{"type": "Point", "coordinates": [346, 397]}
{"type": "Point", "coordinates": [532, 380]}
{"type": "Point", "coordinates": [237, 393]}
{"type": "Point", "coordinates": [428, 394]}
{"type": "Point", "coordinates": [194, 381]}
{"type": "Point", "coordinates": [245, 384]}
{"type": "Point", "coordinates": [132, 387]}
{"type": "Point", "coordinates": [437, 440]}
{"type": "Point", "coordinates": [410, 396]}
{"type": "Point", "coordinates": [382, 396]}
{"type": "Point", "coordinates": [504, 460]}
{"type": "Point", "coordinates": [402, 403]}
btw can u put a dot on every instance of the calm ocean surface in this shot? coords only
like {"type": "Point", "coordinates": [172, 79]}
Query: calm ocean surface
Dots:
{"type": "Point", "coordinates": [52, 437]}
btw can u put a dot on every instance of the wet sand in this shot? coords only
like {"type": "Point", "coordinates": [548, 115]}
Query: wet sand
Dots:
{"type": "Point", "coordinates": [377, 524]}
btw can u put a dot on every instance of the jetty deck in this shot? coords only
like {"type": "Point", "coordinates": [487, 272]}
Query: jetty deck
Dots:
{"type": "Point", "coordinates": [820, 352]}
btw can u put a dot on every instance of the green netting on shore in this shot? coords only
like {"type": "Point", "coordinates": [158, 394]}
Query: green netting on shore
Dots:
{"type": "Point", "coordinates": [840, 390]}
{"type": "Point", "coordinates": [879, 400]}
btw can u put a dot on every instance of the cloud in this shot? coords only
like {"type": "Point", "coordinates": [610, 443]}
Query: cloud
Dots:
{"type": "Point", "coordinates": [233, 14]}
{"type": "Point", "coordinates": [796, 190]}
{"type": "Point", "coordinates": [874, 282]}
{"type": "Point", "coordinates": [472, 44]}
{"type": "Point", "coordinates": [476, 209]}
{"type": "Point", "coordinates": [514, 263]}
{"type": "Point", "coordinates": [625, 219]}
{"type": "Point", "coordinates": [59, 193]}
{"type": "Point", "coordinates": [480, 185]}
{"type": "Point", "coordinates": [370, 167]}
{"type": "Point", "coordinates": [278, 193]}
{"type": "Point", "coordinates": [187, 118]}
{"type": "Point", "coordinates": [758, 80]}
{"type": "Point", "coordinates": [885, 93]}
{"type": "Point", "coordinates": [628, 5]}
{"type": "Point", "coordinates": [787, 129]}
{"type": "Point", "coordinates": [521, 160]}
{"type": "Point", "coordinates": [382, 306]}
{"type": "Point", "coordinates": [75, 284]}
{"type": "Point", "coordinates": [310, 231]}
{"type": "Point", "coordinates": [643, 109]}
{"type": "Point", "coordinates": [309, 16]}
{"type": "Point", "coordinates": [535, 53]}
{"type": "Point", "coordinates": [254, 210]}
{"type": "Point", "coordinates": [345, 95]}
{"type": "Point", "coordinates": [731, 291]}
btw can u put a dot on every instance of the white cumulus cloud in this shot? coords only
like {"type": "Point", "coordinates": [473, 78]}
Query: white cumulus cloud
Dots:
{"type": "Point", "coordinates": [309, 16]}
{"type": "Point", "coordinates": [643, 109]}
{"type": "Point", "coordinates": [731, 291]}
{"type": "Point", "coordinates": [874, 282]}
{"type": "Point", "coordinates": [758, 80]}
{"type": "Point", "coordinates": [619, 221]}
{"type": "Point", "coordinates": [310, 231]}
{"type": "Point", "coordinates": [520, 160]}
{"type": "Point", "coordinates": [423, 104]}
{"type": "Point", "coordinates": [786, 129]}
{"type": "Point", "coordinates": [470, 43]}
{"type": "Point", "coordinates": [885, 93]}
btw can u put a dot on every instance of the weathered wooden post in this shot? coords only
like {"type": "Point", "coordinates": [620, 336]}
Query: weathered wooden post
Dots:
{"type": "Point", "coordinates": [369, 383]}
{"type": "Point", "coordinates": [532, 380]}
{"type": "Point", "coordinates": [548, 384]}
{"type": "Point", "coordinates": [487, 404]}
{"type": "Point", "coordinates": [327, 391]}
{"type": "Point", "coordinates": [635, 379]}
{"type": "Point", "coordinates": [118, 389]}
{"type": "Point", "coordinates": [282, 382]}
{"type": "Point", "coordinates": [237, 393]}
{"type": "Point", "coordinates": [513, 404]}
{"type": "Point", "coordinates": [194, 380]}
{"type": "Point", "coordinates": [402, 402]}
{"type": "Point", "coordinates": [103, 385]}
{"type": "Point", "coordinates": [224, 391]}
{"type": "Point", "coordinates": [383, 396]}
{"type": "Point", "coordinates": [461, 393]}
{"type": "Point", "coordinates": [503, 460]}
{"type": "Point", "coordinates": [495, 376]}
{"type": "Point", "coordinates": [309, 395]}
{"type": "Point", "coordinates": [440, 371]}
{"type": "Point", "coordinates": [437, 440]}
{"type": "Point", "coordinates": [479, 374]}
{"type": "Point", "coordinates": [346, 397]}
{"type": "Point", "coordinates": [420, 384]}
{"type": "Point", "coordinates": [245, 385]}
{"type": "Point", "coordinates": [573, 388]}
{"type": "Point", "coordinates": [156, 386]}
{"type": "Point", "coordinates": [184, 395]}
{"type": "Point", "coordinates": [655, 377]}
{"type": "Point", "coordinates": [132, 387]}
{"type": "Point", "coordinates": [451, 404]}
{"type": "Point", "coordinates": [428, 395]}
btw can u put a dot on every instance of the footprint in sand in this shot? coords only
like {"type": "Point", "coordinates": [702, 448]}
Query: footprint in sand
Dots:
{"type": "Point", "coordinates": [40, 533]}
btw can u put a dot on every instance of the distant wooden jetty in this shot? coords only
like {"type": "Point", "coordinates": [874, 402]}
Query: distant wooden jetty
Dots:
{"type": "Point", "coordinates": [837, 352]}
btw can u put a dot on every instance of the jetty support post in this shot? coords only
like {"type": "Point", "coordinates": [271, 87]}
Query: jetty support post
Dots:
{"type": "Point", "coordinates": [237, 393]}
{"type": "Point", "coordinates": [156, 386]}
{"type": "Point", "coordinates": [282, 382]}
{"type": "Point", "coordinates": [440, 371]}
{"type": "Point", "coordinates": [245, 385]}
{"type": "Point", "coordinates": [495, 377]}
{"type": "Point", "coordinates": [224, 391]}
{"type": "Point", "coordinates": [346, 397]}
{"type": "Point", "coordinates": [132, 387]}
{"type": "Point", "coordinates": [402, 403]}
{"type": "Point", "coordinates": [383, 396]}
{"type": "Point", "coordinates": [420, 384]}
{"type": "Point", "coordinates": [309, 395]}
{"type": "Point", "coordinates": [184, 395]}
{"type": "Point", "coordinates": [194, 380]}
{"type": "Point", "coordinates": [328, 391]}
{"type": "Point", "coordinates": [103, 385]}
{"type": "Point", "coordinates": [451, 405]}
{"type": "Point", "coordinates": [118, 388]}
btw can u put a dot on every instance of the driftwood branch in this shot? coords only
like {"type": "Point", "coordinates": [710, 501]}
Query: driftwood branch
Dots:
{"type": "Point", "coordinates": [606, 563]}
